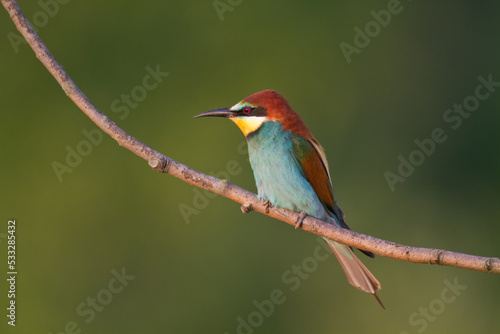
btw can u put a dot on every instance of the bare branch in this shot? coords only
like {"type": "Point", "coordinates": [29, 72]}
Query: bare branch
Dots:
{"type": "Point", "coordinates": [224, 188]}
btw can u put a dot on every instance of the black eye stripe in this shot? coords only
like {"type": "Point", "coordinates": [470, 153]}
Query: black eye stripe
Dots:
{"type": "Point", "coordinates": [253, 111]}
{"type": "Point", "coordinates": [260, 111]}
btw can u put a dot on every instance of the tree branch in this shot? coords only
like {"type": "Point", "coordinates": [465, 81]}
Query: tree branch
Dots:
{"type": "Point", "coordinates": [161, 163]}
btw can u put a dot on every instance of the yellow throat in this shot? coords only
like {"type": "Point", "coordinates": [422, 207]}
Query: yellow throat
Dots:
{"type": "Point", "coordinates": [248, 124]}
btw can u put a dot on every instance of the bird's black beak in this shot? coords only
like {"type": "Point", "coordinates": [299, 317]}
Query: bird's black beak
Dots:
{"type": "Point", "coordinates": [222, 112]}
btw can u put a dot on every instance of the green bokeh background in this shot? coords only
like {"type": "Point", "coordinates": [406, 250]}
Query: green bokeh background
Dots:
{"type": "Point", "coordinates": [112, 211]}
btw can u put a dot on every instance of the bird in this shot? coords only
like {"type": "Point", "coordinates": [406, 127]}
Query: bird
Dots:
{"type": "Point", "coordinates": [291, 170]}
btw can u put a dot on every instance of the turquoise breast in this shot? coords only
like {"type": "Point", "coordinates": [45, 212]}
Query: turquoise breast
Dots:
{"type": "Point", "coordinates": [278, 175]}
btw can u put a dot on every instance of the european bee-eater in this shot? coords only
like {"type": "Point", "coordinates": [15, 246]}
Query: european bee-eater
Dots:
{"type": "Point", "coordinates": [291, 170]}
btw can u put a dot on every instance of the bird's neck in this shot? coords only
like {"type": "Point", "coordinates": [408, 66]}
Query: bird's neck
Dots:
{"type": "Point", "coordinates": [269, 134]}
{"type": "Point", "coordinates": [269, 145]}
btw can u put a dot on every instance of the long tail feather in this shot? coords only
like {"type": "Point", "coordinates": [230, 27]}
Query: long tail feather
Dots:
{"type": "Point", "coordinates": [357, 274]}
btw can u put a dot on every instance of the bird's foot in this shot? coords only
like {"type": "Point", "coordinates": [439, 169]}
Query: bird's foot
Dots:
{"type": "Point", "coordinates": [300, 219]}
{"type": "Point", "coordinates": [246, 207]}
{"type": "Point", "coordinates": [268, 205]}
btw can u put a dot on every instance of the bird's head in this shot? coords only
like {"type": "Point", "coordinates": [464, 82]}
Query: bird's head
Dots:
{"type": "Point", "coordinates": [265, 106]}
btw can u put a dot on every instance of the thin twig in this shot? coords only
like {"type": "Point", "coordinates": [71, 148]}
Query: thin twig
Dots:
{"type": "Point", "coordinates": [224, 188]}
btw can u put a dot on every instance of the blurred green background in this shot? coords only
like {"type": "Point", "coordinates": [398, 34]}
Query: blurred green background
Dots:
{"type": "Point", "coordinates": [207, 272]}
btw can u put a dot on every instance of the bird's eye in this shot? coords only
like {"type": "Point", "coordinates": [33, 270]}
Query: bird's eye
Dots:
{"type": "Point", "coordinates": [247, 110]}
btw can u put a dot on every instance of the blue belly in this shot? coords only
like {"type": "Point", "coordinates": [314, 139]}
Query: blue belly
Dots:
{"type": "Point", "coordinates": [278, 176]}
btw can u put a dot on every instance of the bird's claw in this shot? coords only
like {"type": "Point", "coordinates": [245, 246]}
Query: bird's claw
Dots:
{"type": "Point", "coordinates": [300, 219]}
{"type": "Point", "coordinates": [246, 207]}
{"type": "Point", "coordinates": [268, 205]}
